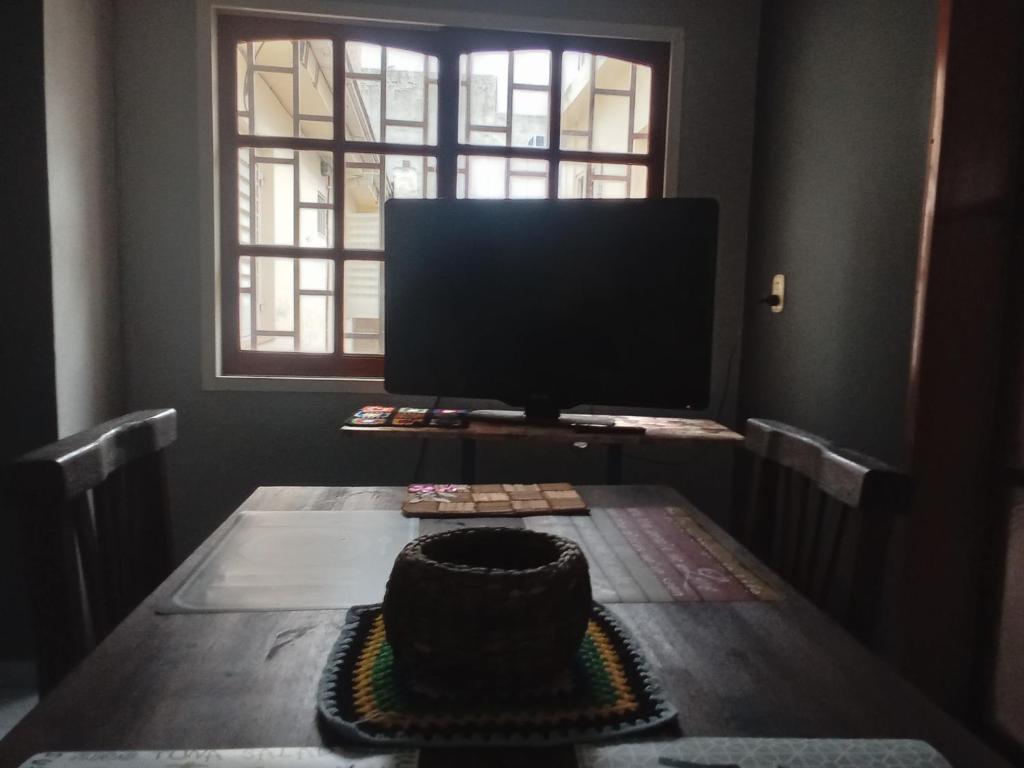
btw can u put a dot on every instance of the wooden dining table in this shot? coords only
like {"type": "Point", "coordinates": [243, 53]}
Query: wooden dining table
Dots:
{"type": "Point", "coordinates": [230, 679]}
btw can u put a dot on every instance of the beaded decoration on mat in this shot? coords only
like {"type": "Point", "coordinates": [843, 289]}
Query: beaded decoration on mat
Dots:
{"type": "Point", "coordinates": [606, 692]}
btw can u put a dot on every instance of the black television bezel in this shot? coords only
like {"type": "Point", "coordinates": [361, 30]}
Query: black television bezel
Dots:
{"type": "Point", "coordinates": [548, 404]}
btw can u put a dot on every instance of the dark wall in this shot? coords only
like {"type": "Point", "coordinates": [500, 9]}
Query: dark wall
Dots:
{"type": "Point", "coordinates": [28, 404]}
{"type": "Point", "coordinates": [844, 99]}
{"type": "Point", "coordinates": [231, 441]}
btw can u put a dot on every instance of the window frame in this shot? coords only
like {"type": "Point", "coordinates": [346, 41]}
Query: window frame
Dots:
{"type": "Point", "coordinates": [447, 43]}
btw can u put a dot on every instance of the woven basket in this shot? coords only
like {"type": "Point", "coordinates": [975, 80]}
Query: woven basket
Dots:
{"type": "Point", "coordinates": [477, 606]}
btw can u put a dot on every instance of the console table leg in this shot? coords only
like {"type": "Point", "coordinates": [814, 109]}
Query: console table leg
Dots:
{"type": "Point", "coordinates": [614, 472]}
{"type": "Point", "coordinates": [468, 460]}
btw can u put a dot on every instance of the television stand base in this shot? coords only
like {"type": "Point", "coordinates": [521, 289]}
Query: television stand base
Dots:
{"type": "Point", "coordinates": [568, 420]}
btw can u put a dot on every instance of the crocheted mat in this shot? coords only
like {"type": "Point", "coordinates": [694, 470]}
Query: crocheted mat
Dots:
{"type": "Point", "coordinates": [607, 692]}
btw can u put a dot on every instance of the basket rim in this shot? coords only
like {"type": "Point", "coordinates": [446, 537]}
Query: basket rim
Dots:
{"type": "Point", "coordinates": [568, 551]}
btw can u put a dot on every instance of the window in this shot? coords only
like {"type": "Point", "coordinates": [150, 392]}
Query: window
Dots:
{"type": "Point", "coordinates": [319, 124]}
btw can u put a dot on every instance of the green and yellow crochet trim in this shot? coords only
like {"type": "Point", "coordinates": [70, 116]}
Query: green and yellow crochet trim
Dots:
{"type": "Point", "coordinates": [606, 692]}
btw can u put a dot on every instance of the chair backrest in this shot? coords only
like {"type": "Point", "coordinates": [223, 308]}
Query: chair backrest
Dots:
{"type": "Point", "coordinates": [95, 527]}
{"type": "Point", "coordinates": [823, 517]}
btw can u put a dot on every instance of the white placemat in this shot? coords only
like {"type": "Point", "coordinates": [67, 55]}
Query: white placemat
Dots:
{"type": "Point", "coordinates": [677, 753]}
{"type": "Point", "coordinates": [276, 757]}
{"type": "Point", "coordinates": [296, 560]}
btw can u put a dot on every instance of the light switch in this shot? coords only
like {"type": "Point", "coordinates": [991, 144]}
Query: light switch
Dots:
{"type": "Point", "coordinates": [779, 289]}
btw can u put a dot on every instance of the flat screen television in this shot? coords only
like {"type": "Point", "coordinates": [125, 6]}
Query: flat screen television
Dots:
{"type": "Point", "coordinates": [548, 304]}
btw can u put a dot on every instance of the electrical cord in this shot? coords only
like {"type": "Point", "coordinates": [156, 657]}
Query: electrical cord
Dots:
{"type": "Point", "coordinates": [728, 378]}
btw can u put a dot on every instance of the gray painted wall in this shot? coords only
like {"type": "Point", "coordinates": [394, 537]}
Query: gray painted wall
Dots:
{"type": "Point", "coordinates": [844, 97]}
{"type": "Point", "coordinates": [83, 211]}
{"type": "Point", "coordinates": [61, 313]}
{"type": "Point", "coordinates": [233, 441]}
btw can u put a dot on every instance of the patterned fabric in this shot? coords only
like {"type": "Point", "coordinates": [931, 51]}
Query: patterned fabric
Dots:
{"type": "Point", "coordinates": [606, 692]}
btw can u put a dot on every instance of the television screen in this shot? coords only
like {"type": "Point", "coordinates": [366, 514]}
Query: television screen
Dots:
{"type": "Point", "coordinates": [548, 304]}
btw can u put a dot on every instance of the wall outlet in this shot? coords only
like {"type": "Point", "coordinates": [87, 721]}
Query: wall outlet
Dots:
{"type": "Point", "coordinates": [779, 289]}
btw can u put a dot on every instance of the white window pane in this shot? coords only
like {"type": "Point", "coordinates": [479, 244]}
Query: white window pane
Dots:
{"type": "Point", "coordinates": [403, 134]}
{"type": "Point", "coordinates": [528, 179]}
{"type": "Point", "coordinates": [488, 138]}
{"type": "Point", "coordinates": [362, 110]}
{"type": "Point", "coordinates": [266, 197]}
{"type": "Point", "coordinates": [613, 74]}
{"type": "Point", "coordinates": [274, 204]}
{"type": "Point", "coordinates": [363, 58]}
{"type": "Point", "coordinates": [270, 303]}
{"type": "Point", "coordinates": [611, 123]}
{"type": "Point", "coordinates": [638, 181]}
{"type": "Point", "coordinates": [363, 94]}
{"type": "Point", "coordinates": [432, 111]}
{"type": "Point", "coordinates": [362, 206]}
{"type": "Point", "coordinates": [406, 176]}
{"type": "Point", "coordinates": [575, 106]}
{"type": "Point", "coordinates": [316, 228]}
{"type": "Point", "coordinates": [410, 97]}
{"type": "Point", "coordinates": [271, 92]}
{"type": "Point", "coordinates": [409, 176]}
{"type": "Point", "coordinates": [488, 88]}
{"type": "Point", "coordinates": [242, 53]}
{"type": "Point", "coordinates": [499, 178]}
{"type": "Point", "coordinates": [282, 72]}
{"type": "Point", "coordinates": [406, 85]}
{"type": "Point", "coordinates": [316, 326]}
{"type": "Point", "coordinates": [245, 272]}
{"type": "Point", "coordinates": [601, 180]}
{"type": "Point", "coordinates": [275, 344]}
{"type": "Point", "coordinates": [275, 294]}
{"type": "Point", "coordinates": [277, 153]}
{"type": "Point", "coordinates": [363, 305]}
{"type": "Point", "coordinates": [531, 67]}
{"type": "Point", "coordinates": [572, 180]}
{"type": "Point", "coordinates": [316, 274]}
{"type": "Point", "coordinates": [246, 196]}
{"type": "Point", "coordinates": [463, 96]}
{"type": "Point", "coordinates": [316, 78]}
{"type": "Point", "coordinates": [431, 178]}
{"type": "Point", "coordinates": [245, 320]}
{"type": "Point", "coordinates": [272, 104]}
{"type": "Point", "coordinates": [609, 189]}
{"type": "Point", "coordinates": [642, 103]}
{"type": "Point", "coordinates": [617, 118]}
{"type": "Point", "coordinates": [527, 188]}
{"type": "Point", "coordinates": [316, 176]}
{"type": "Point", "coordinates": [529, 118]}
{"type": "Point", "coordinates": [486, 177]}
{"type": "Point", "coordinates": [316, 129]}
{"type": "Point", "coordinates": [522, 165]}
{"type": "Point", "coordinates": [575, 141]}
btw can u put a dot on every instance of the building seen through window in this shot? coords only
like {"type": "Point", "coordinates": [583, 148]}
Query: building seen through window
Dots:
{"type": "Point", "coordinates": [310, 284]}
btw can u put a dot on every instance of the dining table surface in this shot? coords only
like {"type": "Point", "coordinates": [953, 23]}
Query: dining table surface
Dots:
{"type": "Point", "coordinates": [246, 679]}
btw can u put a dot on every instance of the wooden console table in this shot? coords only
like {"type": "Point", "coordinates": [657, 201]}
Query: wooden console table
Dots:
{"type": "Point", "coordinates": [657, 430]}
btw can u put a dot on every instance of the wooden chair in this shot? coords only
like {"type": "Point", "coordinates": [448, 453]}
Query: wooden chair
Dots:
{"type": "Point", "coordinates": [95, 529]}
{"type": "Point", "coordinates": [824, 518]}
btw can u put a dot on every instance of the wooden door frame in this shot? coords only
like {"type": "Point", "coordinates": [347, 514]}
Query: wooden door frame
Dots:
{"type": "Point", "coordinates": [967, 244]}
